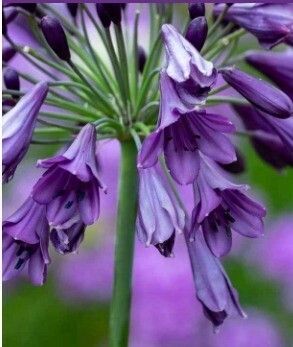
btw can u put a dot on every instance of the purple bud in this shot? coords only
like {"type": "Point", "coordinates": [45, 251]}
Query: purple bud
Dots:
{"type": "Point", "coordinates": [196, 10]}
{"type": "Point", "coordinates": [55, 37]}
{"type": "Point", "coordinates": [236, 167]}
{"type": "Point", "coordinates": [141, 58]}
{"type": "Point", "coordinates": [11, 79]}
{"type": "Point", "coordinates": [197, 32]}
{"type": "Point", "coordinates": [259, 93]}
{"type": "Point", "coordinates": [104, 18]}
{"type": "Point", "coordinates": [8, 53]}
{"type": "Point", "coordinates": [114, 12]}
{"type": "Point", "coordinates": [73, 8]}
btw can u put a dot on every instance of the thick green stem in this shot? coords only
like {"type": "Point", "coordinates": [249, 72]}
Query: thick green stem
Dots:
{"type": "Point", "coordinates": [124, 247]}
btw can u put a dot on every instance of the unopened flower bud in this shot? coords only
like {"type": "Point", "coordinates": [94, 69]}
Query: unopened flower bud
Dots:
{"type": "Point", "coordinates": [73, 8]}
{"type": "Point", "coordinates": [259, 93]}
{"type": "Point", "coordinates": [104, 18]}
{"type": "Point", "coordinates": [114, 12]}
{"type": "Point", "coordinates": [55, 37]}
{"type": "Point", "coordinates": [8, 53]}
{"type": "Point", "coordinates": [141, 59]}
{"type": "Point", "coordinates": [197, 32]}
{"type": "Point", "coordinates": [11, 79]}
{"type": "Point", "coordinates": [196, 10]}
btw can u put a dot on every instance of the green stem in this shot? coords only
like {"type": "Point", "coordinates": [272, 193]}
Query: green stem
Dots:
{"type": "Point", "coordinates": [124, 247]}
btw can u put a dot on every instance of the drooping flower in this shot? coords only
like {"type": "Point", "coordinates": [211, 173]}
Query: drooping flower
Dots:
{"type": "Point", "coordinates": [25, 241]}
{"type": "Point", "coordinates": [197, 32]}
{"type": "Point", "coordinates": [68, 240]}
{"type": "Point", "coordinates": [193, 75]}
{"type": "Point", "coordinates": [272, 138]}
{"type": "Point", "coordinates": [278, 66]}
{"type": "Point", "coordinates": [221, 207]}
{"type": "Point", "coordinates": [259, 93]}
{"type": "Point", "coordinates": [213, 287]}
{"type": "Point", "coordinates": [70, 186]}
{"type": "Point", "coordinates": [159, 216]}
{"type": "Point", "coordinates": [272, 24]}
{"type": "Point", "coordinates": [181, 134]}
{"type": "Point", "coordinates": [18, 127]}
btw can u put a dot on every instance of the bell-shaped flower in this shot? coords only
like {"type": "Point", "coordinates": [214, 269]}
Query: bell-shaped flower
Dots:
{"type": "Point", "coordinates": [271, 24]}
{"type": "Point", "coordinates": [192, 74]}
{"type": "Point", "coordinates": [17, 129]}
{"type": "Point", "coordinates": [271, 137]}
{"type": "Point", "coordinates": [260, 94]}
{"type": "Point", "coordinates": [70, 186]}
{"type": "Point", "coordinates": [68, 240]}
{"type": "Point", "coordinates": [181, 134]}
{"type": "Point", "coordinates": [25, 242]}
{"type": "Point", "coordinates": [278, 66]}
{"type": "Point", "coordinates": [159, 215]}
{"type": "Point", "coordinates": [213, 287]}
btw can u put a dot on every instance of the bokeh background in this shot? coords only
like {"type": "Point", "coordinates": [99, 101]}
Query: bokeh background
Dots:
{"type": "Point", "coordinates": [72, 308]}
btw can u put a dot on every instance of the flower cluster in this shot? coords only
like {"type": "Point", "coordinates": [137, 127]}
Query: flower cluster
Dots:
{"type": "Point", "coordinates": [183, 141]}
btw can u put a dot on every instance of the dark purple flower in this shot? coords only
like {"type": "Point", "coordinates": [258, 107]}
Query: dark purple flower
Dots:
{"type": "Point", "coordinates": [196, 10]}
{"type": "Point", "coordinates": [70, 186]}
{"type": "Point", "coordinates": [278, 66]}
{"type": "Point", "coordinates": [181, 136]}
{"type": "Point", "coordinates": [197, 32]}
{"type": "Point", "coordinates": [104, 18]}
{"type": "Point", "coordinates": [68, 240]}
{"type": "Point", "coordinates": [55, 37]}
{"type": "Point", "coordinates": [259, 93]}
{"type": "Point", "coordinates": [272, 24]}
{"type": "Point", "coordinates": [113, 11]}
{"type": "Point", "coordinates": [25, 241]}
{"type": "Point", "coordinates": [18, 127]}
{"type": "Point", "coordinates": [8, 53]}
{"type": "Point", "coordinates": [11, 79]}
{"type": "Point", "coordinates": [159, 215]}
{"type": "Point", "coordinates": [193, 75]}
{"type": "Point", "coordinates": [141, 58]}
{"type": "Point", "coordinates": [272, 138]}
{"type": "Point", "coordinates": [72, 8]}
{"type": "Point", "coordinates": [213, 287]}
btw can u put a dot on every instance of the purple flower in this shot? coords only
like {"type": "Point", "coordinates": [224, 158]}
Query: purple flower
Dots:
{"type": "Point", "coordinates": [193, 76]}
{"type": "Point", "coordinates": [197, 32]}
{"type": "Point", "coordinates": [180, 135]}
{"type": "Point", "coordinates": [18, 127]}
{"type": "Point", "coordinates": [259, 93]}
{"type": "Point", "coordinates": [221, 207]}
{"type": "Point", "coordinates": [272, 24]}
{"type": "Point", "coordinates": [159, 216]}
{"type": "Point", "coordinates": [25, 241]}
{"type": "Point", "coordinates": [68, 240]}
{"type": "Point", "coordinates": [70, 186]}
{"type": "Point", "coordinates": [11, 79]}
{"type": "Point", "coordinates": [278, 66]}
{"type": "Point", "coordinates": [213, 287]}
{"type": "Point", "coordinates": [272, 138]}
{"type": "Point", "coordinates": [196, 10]}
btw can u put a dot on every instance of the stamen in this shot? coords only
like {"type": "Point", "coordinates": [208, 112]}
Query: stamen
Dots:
{"type": "Point", "coordinates": [228, 231]}
{"type": "Point", "coordinates": [214, 227]}
{"type": "Point", "coordinates": [20, 251]}
{"type": "Point", "coordinates": [80, 195]}
{"type": "Point", "coordinates": [19, 263]}
{"type": "Point", "coordinates": [69, 204]}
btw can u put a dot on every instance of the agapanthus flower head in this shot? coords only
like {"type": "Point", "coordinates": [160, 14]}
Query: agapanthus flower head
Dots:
{"type": "Point", "coordinates": [70, 186]}
{"type": "Point", "coordinates": [25, 242]}
{"type": "Point", "coordinates": [55, 37]}
{"type": "Point", "coordinates": [197, 32]}
{"type": "Point", "coordinates": [193, 75]}
{"type": "Point", "coordinates": [159, 216]}
{"type": "Point", "coordinates": [18, 127]}
{"type": "Point", "coordinates": [196, 10]}
{"type": "Point", "coordinates": [272, 24]}
{"type": "Point", "coordinates": [213, 287]}
{"type": "Point", "coordinates": [278, 66]}
{"type": "Point", "coordinates": [259, 93]}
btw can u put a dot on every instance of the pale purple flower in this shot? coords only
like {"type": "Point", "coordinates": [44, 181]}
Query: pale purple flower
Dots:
{"type": "Point", "coordinates": [18, 126]}
{"type": "Point", "coordinates": [271, 24]}
{"type": "Point", "coordinates": [70, 186]}
{"type": "Point", "coordinates": [159, 216]}
{"type": "Point", "coordinates": [260, 94]}
{"type": "Point", "coordinates": [25, 242]}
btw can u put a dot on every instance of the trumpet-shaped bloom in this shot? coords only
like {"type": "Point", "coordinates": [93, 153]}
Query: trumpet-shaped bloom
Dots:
{"type": "Point", "coordinates": [18, 127]}
{"type": "Point", "coordinates": [25, 241]}
{"type": "Point", "coordinates": [70, 186]}
{"type": "Point", "coordinates": [271, 24]}
{"type": "Point", "coordinates": [159, 216]}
